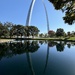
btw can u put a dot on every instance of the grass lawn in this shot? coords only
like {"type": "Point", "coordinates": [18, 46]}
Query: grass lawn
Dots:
{"type": "Point", "coordinates": [71, 38]}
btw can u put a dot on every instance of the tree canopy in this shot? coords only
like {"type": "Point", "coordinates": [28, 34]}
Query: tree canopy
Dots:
{"type": "Point", "coordinates": [67, 6]}
{"type": "Point", "coordinates": [51, 33]}
{"type": "Point", "coordinates": [60, 32]}
{"type": "Point", "coordinates": [9, 29]}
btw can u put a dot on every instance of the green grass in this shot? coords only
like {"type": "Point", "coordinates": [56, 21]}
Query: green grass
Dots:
{"type": "Point", "coordinates": [71, 38]}
{"type": "Point", "coordinates": [56, 39]}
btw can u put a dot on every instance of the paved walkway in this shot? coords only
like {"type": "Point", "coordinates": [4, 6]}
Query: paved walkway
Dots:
{"type": "Point", "coordinates": [5, 40]}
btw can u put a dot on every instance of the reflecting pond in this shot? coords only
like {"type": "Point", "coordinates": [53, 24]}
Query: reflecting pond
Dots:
{"type": "Point", "coordinates": [37, 58]}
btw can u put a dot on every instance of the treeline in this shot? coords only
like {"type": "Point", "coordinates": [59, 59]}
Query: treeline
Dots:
{"type": "Point", "coordinates": [9, 29]}
{"type": "Point", "coordinates": [58, 33]}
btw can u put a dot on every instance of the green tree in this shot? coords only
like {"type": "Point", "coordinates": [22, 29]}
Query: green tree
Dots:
{"type": "Point", "coordinates": [27, 31]}
{"type": "Point", "coordinates": [51, 33]}
{"type": "Point", "coordinates": [73, 33]}
{"type": "Point", "coordinates": [33, 31]}
{"type": "Point", "coordinates": [45, 35]}
{"type": "Point", "coordinates": [67, 6]}
{"type": "Point", "coordinates": [60, 32]}
{"type": "Point", "coordinates": [3, 30]}
{"type": "Point", "coordinates": [41, 35]}
{"type": "Point", "coordinates": [9, 25]}
{"type": "Point", "coordinates": [69, 45]}
{"type": "Point", "coordinates": [69, 34]}
{"type": "Point", "coordinates": [13, 31]}
{"type": "Point", "coordinates": [18, 30]}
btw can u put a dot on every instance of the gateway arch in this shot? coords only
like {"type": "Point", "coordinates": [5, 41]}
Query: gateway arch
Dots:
{"type": "Point", "coordinates": [28, 20]}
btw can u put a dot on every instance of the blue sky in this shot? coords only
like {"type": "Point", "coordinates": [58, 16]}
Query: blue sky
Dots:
{"type": "Point", "coordinates": [15, 11]}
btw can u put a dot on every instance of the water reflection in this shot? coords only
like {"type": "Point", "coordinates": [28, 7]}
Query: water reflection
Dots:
{"type": "Point", "coordinates": [46, 59]}
{"type": "Point", "coordinates": [10, 49]}
{"type": "Point", "coordinates": [41, 42]}
{"type": "Point", "coordinates": [30, 63]}
{"type": "Point", "coordinates": [51, 43]}
{"type": "Point", "coordinates": [60, 46]}
{"type": "Point", "coordinates": [13, 48]}
{"type": "Point", "coordinates": [30, 47]}
{"type": "Point", "coordinates": [69, 45]}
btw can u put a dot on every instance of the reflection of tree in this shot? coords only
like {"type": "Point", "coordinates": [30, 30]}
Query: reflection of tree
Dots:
{"type": "Point", "coordinates": [69, 45]}
{"type": "Point", "coordinates": [31, 47]}
{"type": "Point", "coordinates": [73, 43]}
{"type": "Point", "coordinates": [46, 41]}
{"type": "Point", "coordinates": [10, 49]}
{"type": "Point", "coordinates": [4, 48]}
{"type": "Point", "coordinates": [51, 43]}
{"type": "Point", "coordinates": [65, 42]}
{"type": "Point", "coordinates": [60, 46]}
{"type": "Point", "coordinates": [27, 46]}
{"type": "Point", "coordinates": [41, 41]}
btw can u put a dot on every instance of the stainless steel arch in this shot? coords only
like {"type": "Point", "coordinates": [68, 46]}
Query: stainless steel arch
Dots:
{"type": "Point", "coordinates": [30, 13]}
{"type": "Point", "coordinates": [46, 15]}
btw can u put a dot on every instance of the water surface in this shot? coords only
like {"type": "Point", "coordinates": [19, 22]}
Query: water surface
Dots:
{"type": "Point", "coordinates": [37, 58]}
